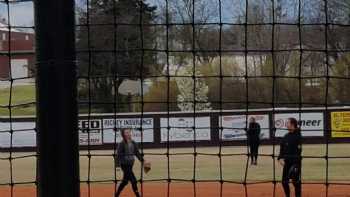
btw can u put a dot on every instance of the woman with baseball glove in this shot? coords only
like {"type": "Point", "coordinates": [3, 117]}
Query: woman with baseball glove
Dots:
{"type": "Point", "coordinates": [127, 150]}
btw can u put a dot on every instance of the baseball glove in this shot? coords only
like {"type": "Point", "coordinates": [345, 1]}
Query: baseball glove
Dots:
{"type": "Point", "coordinates": [147, 167]}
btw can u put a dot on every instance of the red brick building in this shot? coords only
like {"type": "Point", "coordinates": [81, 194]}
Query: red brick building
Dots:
{"type": "Point", "coordinates": [16, 55]}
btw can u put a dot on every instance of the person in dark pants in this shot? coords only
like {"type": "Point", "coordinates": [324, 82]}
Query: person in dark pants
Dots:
{"type": "Point", "coordinates": [253, 134]}
{"type": "Point", "coordinates": [290, 158]}
{"type": "Point", "coordinates": [127, 150]}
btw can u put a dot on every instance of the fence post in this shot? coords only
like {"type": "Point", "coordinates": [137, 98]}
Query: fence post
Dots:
{"type": "Point", "coordinates": [58, 148]}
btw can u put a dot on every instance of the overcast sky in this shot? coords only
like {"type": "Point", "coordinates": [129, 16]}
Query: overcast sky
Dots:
{"type": "Point", "coordinates": [21, 14]}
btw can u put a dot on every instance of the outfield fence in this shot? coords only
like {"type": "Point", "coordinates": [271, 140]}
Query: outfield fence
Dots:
{"type": "Point", "coordinates": [101, 131]}
{"type": "Point", "coordinates": [200, 55]}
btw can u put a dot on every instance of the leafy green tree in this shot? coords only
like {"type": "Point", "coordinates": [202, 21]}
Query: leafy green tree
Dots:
{"type": "Point", "coordinates": [111, 47]}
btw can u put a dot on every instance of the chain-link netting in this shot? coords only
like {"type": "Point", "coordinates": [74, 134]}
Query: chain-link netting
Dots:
{"type": "Point", "coordinates": [16, 80]}
{"type": "Point", "coordinates": [212, 55]}
{"type": "Point", "coordinates": [187, 76]}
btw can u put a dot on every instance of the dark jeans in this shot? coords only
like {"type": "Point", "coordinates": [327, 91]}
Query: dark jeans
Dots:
{"type": "Point", "coordinates": [254, 149]}
{"type": "Point", "coordinates": [295, 179]}
{"type": "Point", "coordinates": [128, 176]}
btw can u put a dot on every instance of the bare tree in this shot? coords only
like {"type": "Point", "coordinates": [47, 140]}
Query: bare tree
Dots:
{"type": "Point", "coordinates": [194, 31]}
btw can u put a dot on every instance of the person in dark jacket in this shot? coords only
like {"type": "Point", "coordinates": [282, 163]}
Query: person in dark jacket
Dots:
{"type": "Point", "coordinates": [253, 134]}
{"type": "Point", "coordinates": [290, 158]}
{"type": "Point", "coordinates": [127, 150]}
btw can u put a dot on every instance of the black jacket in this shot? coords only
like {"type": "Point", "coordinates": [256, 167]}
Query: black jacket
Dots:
{"type": "Point", "coordinates": [290, 148]}
{"type": "Point", "coordinates": [126, 153]}
{"type": "Point", "coordinates": [253, 132]}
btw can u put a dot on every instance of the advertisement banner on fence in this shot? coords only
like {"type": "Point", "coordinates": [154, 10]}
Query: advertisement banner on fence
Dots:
{"type": "Point", "coordinates": [181, 129]}
{"type": "Point", "coordinates": [340, 123]}
{"type": "Point", "coordinates": [311, 124]}
{"type": "Point", "coordinates": [90, 130]}
{"type": "Point", "coordinates": [234, 126]}
{"type": "Point", "coordinates": [109, 136]}
{"type": "Point", "coordinates": [24, 134]}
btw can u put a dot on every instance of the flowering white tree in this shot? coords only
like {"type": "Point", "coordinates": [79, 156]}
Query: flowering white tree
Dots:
{"type": "Point", "coordinates": [193, 91]}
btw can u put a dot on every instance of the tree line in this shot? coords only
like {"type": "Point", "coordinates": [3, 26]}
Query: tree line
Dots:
{"type": "Point", "coordinates": [232, 56]}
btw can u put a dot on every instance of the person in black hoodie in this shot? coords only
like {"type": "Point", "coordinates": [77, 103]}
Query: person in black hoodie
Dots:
{"type": "Point", "coordinates": [290, 158]}
{"type": "Point", "coordinates": [253, 134]}
{"type": "Point", "coordinates": [127, 150]}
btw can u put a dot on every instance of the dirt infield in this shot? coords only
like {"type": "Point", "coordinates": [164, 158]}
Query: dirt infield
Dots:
{"type": "Point", "coordinates": [186, 189]}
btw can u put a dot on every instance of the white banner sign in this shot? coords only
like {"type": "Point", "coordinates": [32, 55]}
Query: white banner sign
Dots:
{"type": "Point", "coordinates": [90, 130]}
{"type": "Point", "coordinates": [23, 135]}
{"type": "Point", "coordinates": [234, 126]}
{"type": "Point", "coordinates": [109, 136]}
{"type": "Point", "coordinates": [311, 124]}
{"type": "Point", "coordinates": [181, 128]}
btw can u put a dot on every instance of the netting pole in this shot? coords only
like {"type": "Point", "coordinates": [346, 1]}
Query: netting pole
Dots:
{"type": "Point", "coordinates": [58, 149]}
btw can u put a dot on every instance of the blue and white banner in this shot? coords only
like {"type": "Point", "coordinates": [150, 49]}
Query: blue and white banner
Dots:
{"type": "Point", "coordinates": [90, 130]}
{"type": "Point", "coordinates": [311, 124]}
{"type": "Point", "coordinates": [23, 134]}
{"type": "Point", "coordinates": [181, 129]}
{"type": "Point", "coordinates": [234, 127]}
{"type": "Point", "coordinates": [144, 135]}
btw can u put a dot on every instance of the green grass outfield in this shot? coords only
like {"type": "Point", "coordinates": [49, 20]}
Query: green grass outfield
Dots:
{"type": "Point", "coordinates": [207, 167]}
{"type": "Point", "coordinates": [20, 97]}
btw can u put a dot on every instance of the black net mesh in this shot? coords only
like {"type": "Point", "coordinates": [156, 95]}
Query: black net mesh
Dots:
{"type": "Point", "coordinates": [209, 56]}
{"type": "Point", "coordinates": [186, 76]}
{"type": "Point", "coordinates": [17, 97]}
